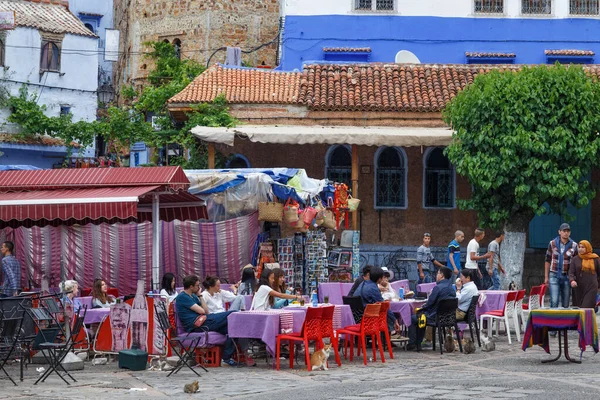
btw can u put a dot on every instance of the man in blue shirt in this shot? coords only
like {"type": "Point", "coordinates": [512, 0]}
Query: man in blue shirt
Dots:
{"type": "Point", "coordinates": [191, 309]}
{"type": "Point", "coordinates": [369, 292]}
{"type": "Point", "coordinates": [453, 258]}
{"type": "Point", "coordinates": [443, 290]}
{"type": "Point", "coordinates": [11, 271]}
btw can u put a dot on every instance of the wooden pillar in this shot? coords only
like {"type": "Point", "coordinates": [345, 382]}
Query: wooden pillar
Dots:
{"type": "Point", "coordinates": [211, 156]}
{"type": "Point", "coordinates": [355, 184]}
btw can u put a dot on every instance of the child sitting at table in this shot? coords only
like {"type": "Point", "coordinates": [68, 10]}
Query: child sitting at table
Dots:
{"type": "Point", "coordinates": [264, 298]}
{"type": "Point", "coordinates": [387, 291]}
{"type": "Point", "coordinates": [100, 296]}
{"type": "Point", "coordinates": [280, 286]}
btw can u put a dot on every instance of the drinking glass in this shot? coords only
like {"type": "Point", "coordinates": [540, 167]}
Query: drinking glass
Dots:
{"type": "Point", "coordinates": [326, 299]}
{"type": "Point", "coordinates": [302, 302]}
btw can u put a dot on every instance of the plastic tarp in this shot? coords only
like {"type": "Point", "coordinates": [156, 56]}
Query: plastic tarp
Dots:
{"type": "Point", "coordinates": [234, 193]}
{"type": "Point", "coordinates": [359, 135]}
{"type": "Point", "coordinates": [17, 167]}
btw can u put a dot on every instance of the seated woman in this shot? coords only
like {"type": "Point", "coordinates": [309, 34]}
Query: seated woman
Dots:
{"type": "Point", "coordinates": [168, 287]}
{"type": "Point", "coordinates": [387, 291]}
{"type": "Point", "coordinates": [71, 289]}
{"type": "Point", "coordinates": [264, 298]}
{"type": "Point", "coordinates": [215, 298]}
{"type": "Point", "coordinates": [248, 282]}
{"type": "Point", "coordinates": [100, 298]}
{"type": "Point", "coordinates": [280, 286]}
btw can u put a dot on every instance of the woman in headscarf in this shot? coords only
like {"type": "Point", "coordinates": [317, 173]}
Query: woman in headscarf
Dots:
{"type": "Point", "coordinates": [584, 274]}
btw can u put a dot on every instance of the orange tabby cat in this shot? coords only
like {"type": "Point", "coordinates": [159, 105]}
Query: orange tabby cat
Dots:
{"type": "Point", "coordinates": [318, 359]}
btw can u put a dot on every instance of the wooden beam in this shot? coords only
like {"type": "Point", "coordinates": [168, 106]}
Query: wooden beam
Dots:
{"type": "Point", "coordinates": [355, 184]}
{"type": "Point", "coordinates": [211, 156]}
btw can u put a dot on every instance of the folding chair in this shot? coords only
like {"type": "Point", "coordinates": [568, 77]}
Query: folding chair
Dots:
{"type": "Point", "coordinates": [11, 322]}
{"type": "Point", "coordinates": [55, 353]}
{"type": "Point", "coordinates": [186, 343]}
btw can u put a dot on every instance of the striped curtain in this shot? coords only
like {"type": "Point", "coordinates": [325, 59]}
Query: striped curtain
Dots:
{"type": "Point", "coordinates": [122, 253]}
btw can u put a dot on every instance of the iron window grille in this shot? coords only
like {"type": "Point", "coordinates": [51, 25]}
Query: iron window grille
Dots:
{"type": "Point", "coordinates": [390, 183]}
{"type": "Point", "coordinates": [439, 180]}
{"type": "Point", "coordinates": [374, 5]}
{"type": "Point", "coordinates": [489, 6]}
{"type": "Point", "coordinates": [536, 7]}
{"type": "Point", "coordinates": [584, 7]}
{"type": "Point", "coordinates": [339, 165]}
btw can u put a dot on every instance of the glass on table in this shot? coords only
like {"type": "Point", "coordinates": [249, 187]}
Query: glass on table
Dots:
{"type": "Point", "coordinates": [326, 299]}
{"type": "Point", "coordinates": [302, 301]}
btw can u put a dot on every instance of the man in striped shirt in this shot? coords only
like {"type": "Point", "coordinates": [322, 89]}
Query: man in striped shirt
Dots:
{"type": "Point", "coordinates": [11, 271]}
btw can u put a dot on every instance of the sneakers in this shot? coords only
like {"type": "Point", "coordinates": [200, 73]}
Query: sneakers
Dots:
{"type": "Point", "coordinates": [231, 362]}
{"type": "Point", "coordinates": [411, 347]}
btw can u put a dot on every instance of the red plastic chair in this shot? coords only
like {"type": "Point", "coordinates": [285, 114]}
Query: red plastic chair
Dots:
{"type": "Point", "coordinates": [369, 326]}
{"type": "Point", "coordinates": [542, 294]}
{"type": "Point", "coordinates": [534, 298]}
{"type": "Point", "coordinates": [113, 292]}
{"type": "Point", "coordinates": [84, 292]}
{"type": "Point", "coordinates": [383, 327]}
{"type": "Point", "coordinates": [327, 331]}
{"type": "Point", "coordinates": [311, 330]}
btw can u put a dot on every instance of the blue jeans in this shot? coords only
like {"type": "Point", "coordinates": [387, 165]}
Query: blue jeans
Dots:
{"type": "Point", "coordinates": [427, 277]}
{"type": "Point", "coordinates": [238, 303]}
{"type": "Point", "coordinates": [560, 290]}
{"type": "Point", "coordinates": [217, 322]}
{"type": "Point", "coordinates": [495, 280]}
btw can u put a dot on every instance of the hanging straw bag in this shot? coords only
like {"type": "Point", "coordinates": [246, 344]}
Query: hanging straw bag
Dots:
{"type": "Point", "coordinates": [308, 214]}
{"type": "Point", "coordinates": [353, 204]}
{"type": "Point", "coordinates": [270, 211]}
{"type": "Point", "coordinates": [300, 226]}
{"type": "Point", "coordinates": [290, 211]}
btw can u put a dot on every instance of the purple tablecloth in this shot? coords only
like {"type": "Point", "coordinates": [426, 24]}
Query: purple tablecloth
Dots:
{"type": "Point", "coordinates": [425, 287]}
{"type": "Point", "coordinates": [263, 325]}
{"type": "Point", "coordinates": [95, 315]}
{"type": "Point", "coordinates": [494, 300]}
{"type": "Point", "coordinates": [85, 301]}
{"type": "Point", "coordinates": [335, 291]}
{"type": "Point", "coordinates": [405, 309]}
{"type": "Point", "coordinates": [400, 284]}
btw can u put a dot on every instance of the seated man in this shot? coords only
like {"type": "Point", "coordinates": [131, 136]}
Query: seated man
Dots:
{"type": "Point", "coordinates": [365, 276]}
{"type": "Point", "coordinates": [465, 290]}
{"type": "Point", "coordinates": [194, 315]}
{"type": "Point", "coordinates": [443, 290]}
{"type": "Point", "coordinates": [369, 292]}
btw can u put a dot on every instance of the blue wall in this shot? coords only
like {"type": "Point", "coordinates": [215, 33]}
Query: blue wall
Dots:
{"type": "Point", "coordinates": [434, 39]}
{"type": "Point", "coordinates": [38, 156]}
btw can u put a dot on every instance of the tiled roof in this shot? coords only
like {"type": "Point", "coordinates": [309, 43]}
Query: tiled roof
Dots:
{"type": "Point", "coordinates": [53, 17]}
{"type": "Point", "coordinates": [579, 53]}
{"type": "Point", "coordinates": [347, 49]}
{"type": "Point", "coordinates": [31, 140]}
{"type": "Point", "coordinates": [343, 87]}
{"type": "Point", "coordinates": [242, 85]}
{"type": "Point", "coordinates": [471, 54]}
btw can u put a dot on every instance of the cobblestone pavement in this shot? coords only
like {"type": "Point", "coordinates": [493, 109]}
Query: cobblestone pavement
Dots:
{"type": "Point", "coordinates": [507, 373]}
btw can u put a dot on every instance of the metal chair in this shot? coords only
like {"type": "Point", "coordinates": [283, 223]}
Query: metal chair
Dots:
{"type": "Point", "coordinates": [445, 318]}
{"type": "Point", "coordinates": [356, 305]}
{"type": "Point", "coordinates": [11, 322]}
{"type": "Point", "coordinates": [55, 353]}
{"type": "Point", "coordinates": [187, 343]}
{"type": "Point", "coordinates": [471, 319]}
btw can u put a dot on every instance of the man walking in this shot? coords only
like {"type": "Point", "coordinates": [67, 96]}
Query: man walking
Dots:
{"type": "Point", "coordinates": [472, 257]}
{"type": "Point", "coordinates": [494, 262]}
{"type": "Point", "coordinates": [558, 259]}
{"type": "Point", "coordinates": [11, 270]}
{"type": "Point", "coordinates": [453, 258]}
{"type": "Point", "coordinates": [425, 261]}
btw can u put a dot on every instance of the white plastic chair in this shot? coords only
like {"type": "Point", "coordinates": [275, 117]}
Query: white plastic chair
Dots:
{"type": "Point", "coordinates": [504, 315]}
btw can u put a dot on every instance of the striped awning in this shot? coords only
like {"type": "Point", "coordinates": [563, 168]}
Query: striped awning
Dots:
{"type": "Point", "coordinates": [57, 197]}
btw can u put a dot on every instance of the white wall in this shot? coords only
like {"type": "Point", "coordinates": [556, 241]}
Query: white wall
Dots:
{"type": "Point", "coordinates": [79, 69]}
{"type": "Point", "coordinates": [434, 8]}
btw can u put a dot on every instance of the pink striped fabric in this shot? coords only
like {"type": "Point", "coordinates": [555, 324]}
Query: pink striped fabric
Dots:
{"type": "Point", "coordinates": [122, 253]}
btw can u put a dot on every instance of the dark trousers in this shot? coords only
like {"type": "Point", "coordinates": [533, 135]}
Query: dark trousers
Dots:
{"type": "Point", "coordinates": [415, 334]}
{"type": "Point", "coordinates": [218, 323]}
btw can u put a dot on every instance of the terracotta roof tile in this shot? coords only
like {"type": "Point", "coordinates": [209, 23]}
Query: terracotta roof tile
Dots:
{"type": "Point", "coordinates": [347, 49]}
{"type": "Point", "coordinates": [343, 87]}
{"type": "Point", "coordinates": [242, 85]}
{"type": "Point", "coordinates": [471, 54]}
{"type": "Point", "coordinates": [579, 53]}
{"type": "Point", "coordinates": [32, 140]}
{"type": "Point", "coordinates": [48, 16]}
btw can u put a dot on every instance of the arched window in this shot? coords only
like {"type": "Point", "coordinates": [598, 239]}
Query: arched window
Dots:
{"type": "Point", "coordinates": [237, 161]}
{"type": "Point", "coordinates": [50, 57]}
{"type": "Point", "coordinates": [390, 178]}
{"type": "Point", "coordinates": [90, 27]}
{"type": "Point", "coordinates": [1, 52]}
{"type": "Point", "coordinates": [177, 46]}
{"type": "Point", "coordinates": [439, 179]}
{"type": "Point", "coordinates": [338, 164]}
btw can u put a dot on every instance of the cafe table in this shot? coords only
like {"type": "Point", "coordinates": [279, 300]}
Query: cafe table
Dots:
{"type": "Point", "coordinates": [543, 320]}
{"type": "Point", "coordinates": [406, 308]}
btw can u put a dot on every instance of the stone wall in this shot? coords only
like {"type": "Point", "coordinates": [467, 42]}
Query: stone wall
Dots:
{"type": "Point", "coordinates": [202, 26]}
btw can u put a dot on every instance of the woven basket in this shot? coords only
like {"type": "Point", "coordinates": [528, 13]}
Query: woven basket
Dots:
{"type": "Point", "coordinates": [353, 204]}
{"type": "Point", "coordinates": [270, 211]}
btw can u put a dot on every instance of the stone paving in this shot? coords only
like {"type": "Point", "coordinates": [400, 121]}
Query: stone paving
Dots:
{"type": "Point", "coordinates": [507, 373]}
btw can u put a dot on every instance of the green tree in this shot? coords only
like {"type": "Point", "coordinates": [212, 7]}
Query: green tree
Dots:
{"type": "Point", "coordinates": [524, 139]}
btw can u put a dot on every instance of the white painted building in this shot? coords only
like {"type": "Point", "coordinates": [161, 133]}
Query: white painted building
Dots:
{"type": "Point", "coordinates": [56, 57]}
